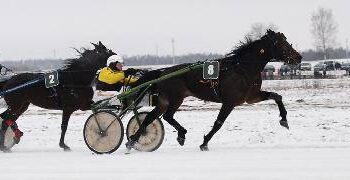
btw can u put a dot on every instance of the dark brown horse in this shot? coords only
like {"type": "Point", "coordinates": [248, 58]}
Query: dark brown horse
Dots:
{"type": "Point", "coordinates": [239, 82]}
{"type": "Point", "coordinates": [74, 91]}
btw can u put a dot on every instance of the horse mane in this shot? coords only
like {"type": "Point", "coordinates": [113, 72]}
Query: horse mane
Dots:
{"type": "Point", "coordinates": [241, 46]}
{"type": "Point", "coordinates": [83, 55]}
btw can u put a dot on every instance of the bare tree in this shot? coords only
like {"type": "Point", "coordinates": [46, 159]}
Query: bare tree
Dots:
{"type": "Point", "coordinates": [259, 29]}
{"type": "Point", "coordinates": [324, 29]}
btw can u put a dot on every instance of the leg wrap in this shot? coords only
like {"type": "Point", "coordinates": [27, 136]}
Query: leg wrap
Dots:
{"type": "Point", "coordinates": [13, 125]}
{"type": "Point", "coordinates": [9, 123]}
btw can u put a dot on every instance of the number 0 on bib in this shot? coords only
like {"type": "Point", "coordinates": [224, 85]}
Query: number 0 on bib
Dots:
{"type": "Point", "coordinates": [211, 70]}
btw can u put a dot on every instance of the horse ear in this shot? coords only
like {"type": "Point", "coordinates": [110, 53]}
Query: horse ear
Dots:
{"type": "Point", "coordinates": [101, 45]}
{"type": "Point", "coordinates": [95, 45]}
{"type": "Point", "coordinates": [269, 31]}
{"type": "Point", "coordinates": [112, 53]}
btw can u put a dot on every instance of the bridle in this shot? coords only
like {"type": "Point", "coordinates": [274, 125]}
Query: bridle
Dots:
{"type": "Point", "coordinates": [276, 45]}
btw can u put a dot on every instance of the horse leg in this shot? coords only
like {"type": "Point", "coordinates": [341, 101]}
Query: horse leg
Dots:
{"type": "Point", "coordinates": [65, 118]}
{"type": "Point", "coordinates": [265, 95]}
{"type": "Point", "coordinates": [223, 114]}
{"type": "Point", "coordinates": [150, 117]}
{"type": "Point", "coordinates": [9, 120]}
{"type": "Point", "coordinates": [169, 117]}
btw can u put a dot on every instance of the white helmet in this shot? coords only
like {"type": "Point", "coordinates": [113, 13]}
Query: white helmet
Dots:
{"type": "Point", "coordinates": [114, 58]}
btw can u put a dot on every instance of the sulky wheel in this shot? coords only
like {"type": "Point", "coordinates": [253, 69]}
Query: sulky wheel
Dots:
{"type": "Point", "coordinates": [149, 140]}
{"type": "Point", "coordinates": [103, 132]}
{"type": "Point", "coordinates": [8, 139]}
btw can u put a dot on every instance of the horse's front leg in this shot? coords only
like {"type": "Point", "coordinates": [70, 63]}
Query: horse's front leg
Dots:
{"type": "Point", "coordinates": [265, 95]}
{"type": "Point", "coordinates": [65, 118]}
{"type": "Point", "coordinates": [224, 112]}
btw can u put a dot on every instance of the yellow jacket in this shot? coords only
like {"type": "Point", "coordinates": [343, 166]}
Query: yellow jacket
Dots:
{"type": "Point", "coordinates": [107, 75]}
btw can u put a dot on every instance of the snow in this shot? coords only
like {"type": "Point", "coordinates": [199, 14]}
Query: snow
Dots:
{"type": "Point", "coordinates": [250, 145]}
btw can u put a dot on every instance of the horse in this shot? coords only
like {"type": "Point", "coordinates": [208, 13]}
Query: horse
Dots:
{"type": "Point", "coordinates": [73, 92]}
{"type": "Point", "coordinates": [239, 81]}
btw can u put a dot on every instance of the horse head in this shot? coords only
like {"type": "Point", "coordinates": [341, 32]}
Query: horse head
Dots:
{"type": "Point", "coordinates": [91, 60]}
{"type": "Point", "coordinates": [88, 63]}
{"type": "Point", "coordinates": [281, 49]}
{"type": "Point", "coordinates": [102, 53]}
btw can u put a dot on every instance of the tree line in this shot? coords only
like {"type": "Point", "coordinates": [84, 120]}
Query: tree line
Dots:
{"type": "Point", "coordinates": [323, 30]}
{"type": "Point", "coordinates": [47, 64]}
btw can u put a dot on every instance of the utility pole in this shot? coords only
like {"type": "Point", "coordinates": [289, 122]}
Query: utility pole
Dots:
{"type": "Point", "coordinates": [54, 53]}
{"type": "Point", "coordinates": [347, 48]}
{"type": "Point", "coordinates": [173, 46]}
{"type": "Point", "coordinates": [156, 50]}
{"type": "Point", "coordinates": [157, 59]}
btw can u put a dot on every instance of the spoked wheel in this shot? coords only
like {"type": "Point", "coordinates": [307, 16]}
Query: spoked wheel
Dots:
{"type": "Point", "coordinates": [8, 138]}
{"type": "Point", "coordinates": [103, 132]}
{"type": "Point", "coordinates": [149, 140]}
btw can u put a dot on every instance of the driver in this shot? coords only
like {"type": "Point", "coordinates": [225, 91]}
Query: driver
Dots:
{"type": "Point", "coordinates": [112, 77]}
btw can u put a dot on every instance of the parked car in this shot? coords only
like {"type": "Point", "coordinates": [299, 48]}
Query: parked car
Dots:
{"type": "Point", "coordinates": [318, 66]}
{"type": "Point", "coordinates": [330, 65]}
{"type": "Point", "coordinates": [268, 72]}
{"type": "Point", "coordinates": [285, 70]}
{"type": "Point", "coordinates": [305, 67]}
{"type": "Point", "coordinates": [269, 68]}
{"type": "Point", "coordinates": [345, 66]}
{"type": "Point", "coordinates": [337, 66]}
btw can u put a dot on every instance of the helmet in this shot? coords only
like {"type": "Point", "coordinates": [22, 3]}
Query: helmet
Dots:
{"type": "Point", "coordinates": [114, 58]}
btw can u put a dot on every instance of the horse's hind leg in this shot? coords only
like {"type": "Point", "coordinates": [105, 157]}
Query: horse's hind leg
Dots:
{"type": "Point", "coordinates": [169, 117]}
{"type": "Point", "coordinates": [9, 120]}
{"type": "Point", "coordinates": [265, 95]}
{"type": "Point", "coordinates": [223, 114]}
{"type": "Point", "coordinates": [150, 117]}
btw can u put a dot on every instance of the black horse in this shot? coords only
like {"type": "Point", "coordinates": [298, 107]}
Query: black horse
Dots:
{"type": "Point", "coordinates": [74, 91]}
{"type": "Point", "coordinates": [239, 82]}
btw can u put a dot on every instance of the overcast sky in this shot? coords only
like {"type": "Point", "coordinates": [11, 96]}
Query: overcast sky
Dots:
{"type": "Point", "coordinates": [47, 28]}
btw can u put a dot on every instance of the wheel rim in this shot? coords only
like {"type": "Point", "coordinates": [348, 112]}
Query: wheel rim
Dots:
{"type": "Point", "coordinates": [152, 139]}
{"type": "Point", "coordinates": [107, 140]}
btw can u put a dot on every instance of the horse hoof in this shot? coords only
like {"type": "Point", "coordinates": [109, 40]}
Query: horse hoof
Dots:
{"type": "Point", "coordinates": [181, 140]}
{"type": "Point", "coordinates": [65, 147]}
{"type": "Point", "coordinates": [4, 149]}
{"type": "Point", "coordinates": [204, 148]}
{"type": "Point", "coordinates": [130, 144]}
{"type": "Point", "coordinates": [284, 123]}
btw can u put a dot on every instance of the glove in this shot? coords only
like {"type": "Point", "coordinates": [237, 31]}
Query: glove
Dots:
{"type": "Point", "coordinates": [130, 72]}
{"type": "Point", "coordinates": [140, 73]}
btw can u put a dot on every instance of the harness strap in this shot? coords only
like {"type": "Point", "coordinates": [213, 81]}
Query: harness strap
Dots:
{"type": "Point", "coordinates": [213, 84]}
{"type": "Point", "coordinates": [55, 96]}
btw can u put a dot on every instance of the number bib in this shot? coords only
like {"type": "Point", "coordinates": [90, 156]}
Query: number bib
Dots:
{"type": "Point", "coordinates": [51, 79]}
{"type": "Point", "coordinates": [211, 70]}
